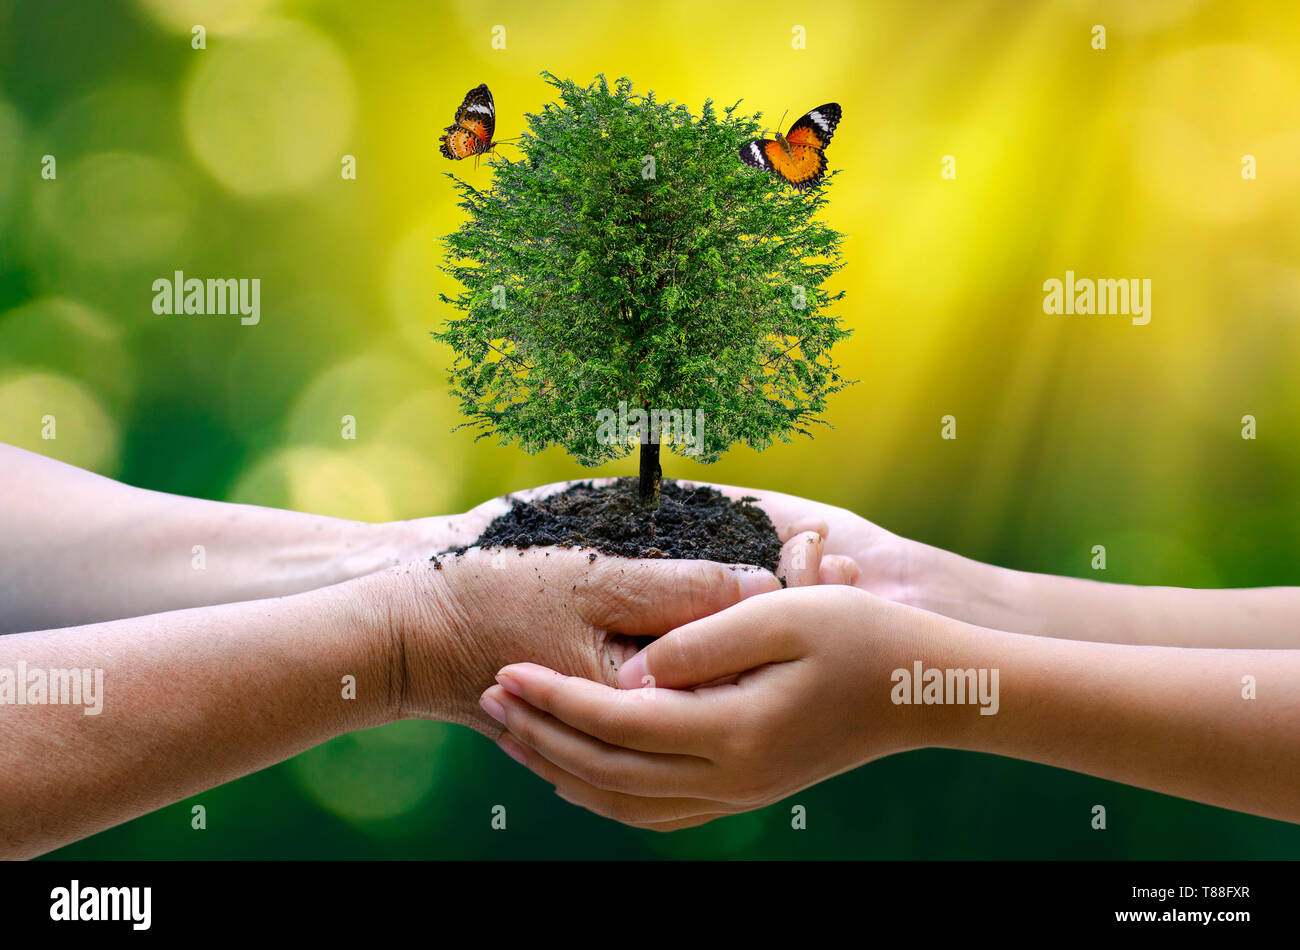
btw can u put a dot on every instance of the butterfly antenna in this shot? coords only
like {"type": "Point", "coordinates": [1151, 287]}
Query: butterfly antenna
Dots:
{"type": "Point", "coordinates": [782, 123]}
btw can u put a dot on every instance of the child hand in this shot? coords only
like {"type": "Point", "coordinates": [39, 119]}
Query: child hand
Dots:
{"type": "Point", "coordinates": [800, 684]}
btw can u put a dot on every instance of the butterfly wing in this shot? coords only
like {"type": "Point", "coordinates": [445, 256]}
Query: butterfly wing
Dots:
{"type": "Point", "coordinates": [756, 154]}
{"type": "Point", "coordinates": [476, 122]}
{"type": "Point", "coordinates": [816, 127]}
{"type": "Point", "coordinates": [802, 168]}
{"type": "Point", "coordinates": [478, 113]}
{"type": "Point", "coordinates": [461, 143]}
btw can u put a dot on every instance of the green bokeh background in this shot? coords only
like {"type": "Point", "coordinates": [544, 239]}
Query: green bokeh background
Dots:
{"type": "Point", "coordinates": [1072, 431]}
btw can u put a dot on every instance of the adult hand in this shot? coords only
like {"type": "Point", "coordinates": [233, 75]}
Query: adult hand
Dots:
{"type": "Point", "coordinates": [452, 623]}
{"type": "Point", "coordinates": [165, 718]}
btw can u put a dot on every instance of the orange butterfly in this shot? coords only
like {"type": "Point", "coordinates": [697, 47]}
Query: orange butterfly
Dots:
{"type": "Point", "coordinates": [476, 120]}
{"type": "Point", "coordinates": [798, 156]}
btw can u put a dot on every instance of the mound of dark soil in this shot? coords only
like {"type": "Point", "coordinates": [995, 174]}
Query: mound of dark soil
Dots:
{"type": "Point", "coordinates": [697, 523]}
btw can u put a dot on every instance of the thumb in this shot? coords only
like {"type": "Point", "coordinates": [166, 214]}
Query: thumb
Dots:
{"type": "Point", "coordinates": [646, 598]}
{"type": "Point", "coordinates": [737, 639]}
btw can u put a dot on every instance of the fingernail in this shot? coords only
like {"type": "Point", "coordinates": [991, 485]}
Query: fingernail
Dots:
{"type": "Point", "coordinates": [512, 748]}
{"type": "Point", "coordinates": [510, 684]}
{"type": "Point", "coordinates": [633, 672]}
{"type": "Point", "coordinates": [755, 581]}
{"type": "Point", "coordinates": [493, 708]}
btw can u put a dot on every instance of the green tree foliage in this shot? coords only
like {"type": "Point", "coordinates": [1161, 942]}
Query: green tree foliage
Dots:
{"type": "Point", "coordinates": [629, 255]}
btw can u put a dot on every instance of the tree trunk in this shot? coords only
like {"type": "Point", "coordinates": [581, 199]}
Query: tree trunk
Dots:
{"type": "Point", "coordinates": [650, 474]}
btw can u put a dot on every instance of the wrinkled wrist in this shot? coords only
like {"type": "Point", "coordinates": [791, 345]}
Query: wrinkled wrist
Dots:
{"type": "Point", "coordinates": [419, 624]}
{"type": "Point", "coordinates": [350, 647]}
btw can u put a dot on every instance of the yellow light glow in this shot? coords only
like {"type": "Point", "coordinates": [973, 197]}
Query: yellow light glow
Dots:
{"type": "Point", "coordinates": [270, 110]}
{"type": "Point", "coordinates": [58, 417]}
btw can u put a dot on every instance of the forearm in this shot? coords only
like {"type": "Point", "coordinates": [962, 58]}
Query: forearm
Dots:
{"type": "Point", "coordinates": [189, 700]}
{"type": "Point", "coordinates": [916, 574]}
{"type": "Point", "coordinates": [1177, 721]}
{"type": "Point", "coordinates": [78, 548]}
{"type": "Point", "coordinates": [1077, 609]}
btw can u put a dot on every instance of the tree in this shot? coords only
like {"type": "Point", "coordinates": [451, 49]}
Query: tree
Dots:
{"type": "Point", "coordinates": [626, 265]}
